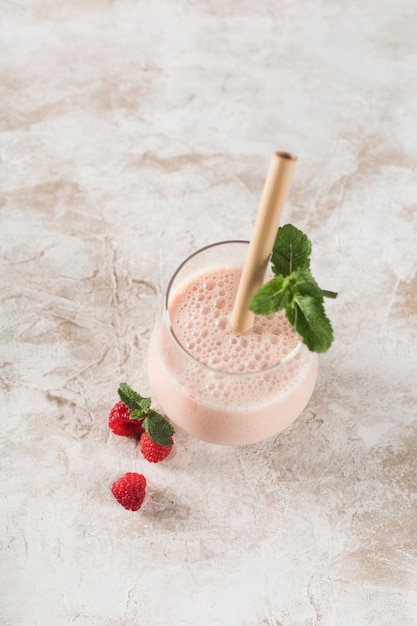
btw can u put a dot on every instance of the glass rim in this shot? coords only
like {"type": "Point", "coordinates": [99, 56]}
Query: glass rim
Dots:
{"type": "Point", "coordinates": [218, 370]}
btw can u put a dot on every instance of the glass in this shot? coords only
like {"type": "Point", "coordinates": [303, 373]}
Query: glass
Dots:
{"type": "Point", "coordinates": [216, 385]}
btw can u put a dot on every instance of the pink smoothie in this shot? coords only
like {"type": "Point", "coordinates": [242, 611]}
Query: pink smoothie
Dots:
{"type": "Point", "coordinates": [220, 386]}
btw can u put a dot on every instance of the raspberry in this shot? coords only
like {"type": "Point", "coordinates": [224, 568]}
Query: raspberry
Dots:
{"type": "Point", "coordinates": [121, 424]}
{"type": "Point", "coordinates": [129, 490]}
{"type": "Point", "coordinates": [152, 451]}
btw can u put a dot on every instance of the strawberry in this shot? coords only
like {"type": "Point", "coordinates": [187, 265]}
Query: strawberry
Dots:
{"type": "Point", "coordinates": [129, 490]}
{"type": "Point", "coordinates": [152, 451]}
{"type": "Point", "coordinates": [121, 424]}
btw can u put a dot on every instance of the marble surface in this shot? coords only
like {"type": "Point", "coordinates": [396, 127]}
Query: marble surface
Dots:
{"type": "Point", "coordinates": [133, 133]}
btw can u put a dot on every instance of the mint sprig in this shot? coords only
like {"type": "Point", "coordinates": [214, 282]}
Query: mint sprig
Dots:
{"type": "Point", "coordinates": [155, 425]}
{"type": "Point", "coordinates": [294, 289]}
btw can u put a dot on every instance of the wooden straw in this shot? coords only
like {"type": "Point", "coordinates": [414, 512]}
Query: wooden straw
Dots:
{"type": "Point", "coordinates": [265, 229]}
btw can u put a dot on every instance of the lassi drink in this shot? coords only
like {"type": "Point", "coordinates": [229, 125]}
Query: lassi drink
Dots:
{"type": "Point", "coordinates": [218, 385]}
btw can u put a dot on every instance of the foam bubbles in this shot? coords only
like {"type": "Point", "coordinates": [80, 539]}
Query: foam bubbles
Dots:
{"type": "Point", "coordinates": [202, 311]}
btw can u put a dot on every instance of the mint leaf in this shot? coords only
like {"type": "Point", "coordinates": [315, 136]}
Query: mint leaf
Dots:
{"type": "Point", "coordinates": [310, 321]}
{"type": "Point", "coordinates": [158, 428]}
{"type": "Point", "coordinates": [134, 400]}
{"type": "Point", "coordinates": [307, 285]}
{"type": "Point", "coordinates": [291, 251]}
{"type": "Point", "coordinates": [271, 297]}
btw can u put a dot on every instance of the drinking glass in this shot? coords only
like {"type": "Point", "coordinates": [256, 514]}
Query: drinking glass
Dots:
{"type": "Point", "coordinates": [205, 400]}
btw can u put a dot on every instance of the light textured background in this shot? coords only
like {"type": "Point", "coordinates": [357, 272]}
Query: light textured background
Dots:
{"type": "Point", "coordinates": [133, 133]}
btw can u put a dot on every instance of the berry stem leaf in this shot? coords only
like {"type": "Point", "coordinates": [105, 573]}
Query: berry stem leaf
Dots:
{"type": "Point", "coordinates": [291, 251]}
{"type": "Point", "coordinates": [134, 401]}
{"type": "Point", "coordinates": [158, 428]}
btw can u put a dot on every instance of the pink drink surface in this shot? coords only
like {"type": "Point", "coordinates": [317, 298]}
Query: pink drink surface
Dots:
{"type": "Point", "coordinates": [200, 320]}
{"type": "Point", "coordinates": [221, 386]}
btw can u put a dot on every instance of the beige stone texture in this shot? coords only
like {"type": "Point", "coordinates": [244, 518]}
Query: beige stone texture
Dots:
{"type": "Point", "coordinates": [132, 134]}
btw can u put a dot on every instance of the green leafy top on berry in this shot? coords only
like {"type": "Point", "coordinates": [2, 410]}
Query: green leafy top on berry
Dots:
{"type": "Point", "coordinates": [294, 289]}
{"type": "Point", "coordinates": [155, 425]}
{"type": "Point", "coordinates": [134, 401]}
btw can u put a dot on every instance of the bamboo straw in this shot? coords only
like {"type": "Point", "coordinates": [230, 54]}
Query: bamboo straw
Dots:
{"type": "Point", "coordinates": [265, 229]}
